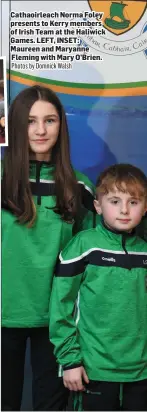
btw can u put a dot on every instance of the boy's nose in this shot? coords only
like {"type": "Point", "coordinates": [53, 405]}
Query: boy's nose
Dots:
{"type": "Point", "coordinates": [124, 208]}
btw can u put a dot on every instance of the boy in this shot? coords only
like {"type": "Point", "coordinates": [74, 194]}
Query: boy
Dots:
{"type": "Point", "coordinates": [104, 352]}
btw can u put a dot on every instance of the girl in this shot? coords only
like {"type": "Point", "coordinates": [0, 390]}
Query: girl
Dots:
{"type": "Point", "coordinates": [44, 202]}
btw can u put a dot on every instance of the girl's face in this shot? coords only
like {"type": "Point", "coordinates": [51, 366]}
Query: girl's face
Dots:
{"type": "Point", "coordinates": [43, 129]}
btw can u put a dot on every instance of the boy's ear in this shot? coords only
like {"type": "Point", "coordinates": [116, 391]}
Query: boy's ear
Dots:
{"type": "Point", "coordinates": [145, 211]}
{"type": "Point", "coordinates": [97, 207]}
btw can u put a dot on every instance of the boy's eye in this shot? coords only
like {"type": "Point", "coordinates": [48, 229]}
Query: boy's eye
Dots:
{"type": "Point", "coordinates": [114, 202]}
{"type": "Point", "coordinates": [134, 202]}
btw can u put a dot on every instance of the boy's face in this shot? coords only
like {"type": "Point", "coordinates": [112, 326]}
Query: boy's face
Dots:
{"type": "Point", "coordinates": [120, 211]}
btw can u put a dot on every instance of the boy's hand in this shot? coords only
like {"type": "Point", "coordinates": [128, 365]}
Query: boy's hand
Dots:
{"type": "Point", "coordinates": [73, 378]}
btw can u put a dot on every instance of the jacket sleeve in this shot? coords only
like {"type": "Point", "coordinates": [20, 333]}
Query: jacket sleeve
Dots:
{"type": "Point", "coordinates": [62, 323]}
{"type": "Point", "coordinates": [86, 215]}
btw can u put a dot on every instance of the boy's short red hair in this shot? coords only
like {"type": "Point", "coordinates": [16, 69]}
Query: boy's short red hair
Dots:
{"type": "Point", "coordinates": [125, 177]}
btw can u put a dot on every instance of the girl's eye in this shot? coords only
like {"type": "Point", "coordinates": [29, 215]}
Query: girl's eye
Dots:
{"type": "Point", "coordinates": [30, 121]}
{"type": "Point", "coordinates": [50, 120]}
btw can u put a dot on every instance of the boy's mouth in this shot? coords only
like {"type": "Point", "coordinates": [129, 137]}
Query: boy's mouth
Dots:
{"type": "Point", "coordinates": [124, 220]}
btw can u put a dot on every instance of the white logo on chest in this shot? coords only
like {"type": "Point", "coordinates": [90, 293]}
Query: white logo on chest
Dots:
{"type": "Point", "coordinates": [109, 259]}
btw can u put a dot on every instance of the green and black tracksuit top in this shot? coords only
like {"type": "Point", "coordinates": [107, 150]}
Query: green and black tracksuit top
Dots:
{"type": "Point", "coordinates": [29, 255]}
{"type": "Point", "coordinates": [105, 273]}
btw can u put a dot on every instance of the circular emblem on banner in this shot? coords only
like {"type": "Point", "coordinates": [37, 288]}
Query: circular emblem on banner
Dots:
{"type": "Point", "coordinates": [119, 16]}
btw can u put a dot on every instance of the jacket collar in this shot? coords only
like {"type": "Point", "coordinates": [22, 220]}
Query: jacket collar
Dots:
{"type": "Point", "coordinates": [40, 163]}
{"type": "Point", "coordinates": [117, 237]}
{"type": "Point", "coordinates": [40, 170]}
{"type": "Point", "coordinates": [118, 232]}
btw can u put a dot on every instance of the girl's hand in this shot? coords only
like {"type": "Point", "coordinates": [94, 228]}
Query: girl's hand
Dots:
{"type": "Point", "coordinates": [73, 379]}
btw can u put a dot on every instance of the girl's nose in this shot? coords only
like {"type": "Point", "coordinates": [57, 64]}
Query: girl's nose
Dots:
{"type": "Point", "coordinates": [40, 128]}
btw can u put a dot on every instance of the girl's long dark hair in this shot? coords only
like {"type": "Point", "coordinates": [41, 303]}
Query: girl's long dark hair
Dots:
{"type": "Point", "coordinates": [16, 191]}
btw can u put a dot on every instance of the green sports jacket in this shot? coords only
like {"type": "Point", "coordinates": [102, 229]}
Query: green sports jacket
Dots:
{"type": "Point", "coordinates": [105, 273]}
{"type": "Point", "coordinates": [29, 254]}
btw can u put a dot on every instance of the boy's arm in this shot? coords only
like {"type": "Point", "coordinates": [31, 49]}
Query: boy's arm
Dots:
{"type": "Point", "coordinates": [62, 326]}
{"type": "Point", "coordinates": [66, 284]}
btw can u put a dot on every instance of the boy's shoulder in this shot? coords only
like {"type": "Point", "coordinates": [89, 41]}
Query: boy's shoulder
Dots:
{"type": "Point", "coordinates": [85, 236]}
{"type": "Point", "coordinates": [82, 242]}
{"type": "Point", "coordinates": [141, 229]}
{"type": "Point", "coordinates": [141, 244]}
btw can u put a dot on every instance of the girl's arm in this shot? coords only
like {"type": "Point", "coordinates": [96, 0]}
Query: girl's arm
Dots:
{"type": "Point", "coordinates": [86, 217]}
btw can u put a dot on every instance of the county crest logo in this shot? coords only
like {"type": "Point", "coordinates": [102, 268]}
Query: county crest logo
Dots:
{"type": "Point", "coordinates": [126, 27]}
{"type": "Point", "coordinates": [119, 16]}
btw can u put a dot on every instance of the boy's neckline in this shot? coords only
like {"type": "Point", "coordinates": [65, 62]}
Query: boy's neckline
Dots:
{"type": "Point", "coordinates": [118, 232]}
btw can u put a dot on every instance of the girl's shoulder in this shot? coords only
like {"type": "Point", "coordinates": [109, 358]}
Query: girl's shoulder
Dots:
{"type": "Point", "coordinates": [84, 181]}
{"type": "Point", "coordinates": [87, 190]}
